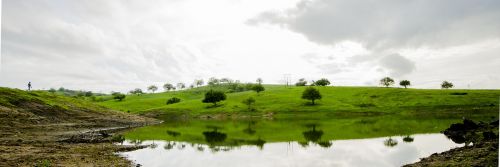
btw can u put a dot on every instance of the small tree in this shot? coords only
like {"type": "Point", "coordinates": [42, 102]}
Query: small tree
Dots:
{"type": "Point", "coordinates": [259, 81]}
{"type": "Point", "coordinates": [322, 82]}
{"type": "Point", "coordinates": [301, 82]}
{"type": "Point", "coordinates": [258, 88]}
{"type": "Point", "coordinates": [405, 83]}
{"type": "Point", "coordinates": [118, 96]}
{"type": "Point", "coordinates": [198, 82]}
{"type": "Point", "coordinates": [52, 90]}
{"type": "Point", "coordinates": [181, 85]}
{"type": "Point", "coordinates": [136, 91]}
{"type": "Point", "coordinates": [225, 80]}
{"type": "Point", "coordinates": [446, 85]}
{"type": "Point", "coordinates": [386, 81]}
{"type": "Point", "coordinates": [249, 101]}
{"type": "Point", "coordinates": [213, 81]}
{"type": "Point", "coordinates": [168, 87]}
{"type": "Point", "coordinates": [153, 88]}
{"type": "Point", "coordinates": [214, 97]}
{"type": "Point", "coordinates": [311, 94]}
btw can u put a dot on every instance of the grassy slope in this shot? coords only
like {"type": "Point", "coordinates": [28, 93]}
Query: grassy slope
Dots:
{"type": "Point", "coordinates": [32, 123]}
{"type": "Point", "coordinates": [280, 99]}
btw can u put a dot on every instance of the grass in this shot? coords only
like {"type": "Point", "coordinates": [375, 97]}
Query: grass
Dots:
{"type": "Point", "coordinates": [285, 100]}
{"type": "Point", "coordinates": [14, 97]}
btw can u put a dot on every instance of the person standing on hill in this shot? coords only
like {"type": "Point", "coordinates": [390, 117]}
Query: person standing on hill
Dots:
{"type": "Point", "coordinates": [29, 86]}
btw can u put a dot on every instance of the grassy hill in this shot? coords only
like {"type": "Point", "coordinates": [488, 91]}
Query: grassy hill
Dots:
{"type": "Point", "coordinates": [277, 99]}
{"type": "Point", "coordinates": [33, 124]}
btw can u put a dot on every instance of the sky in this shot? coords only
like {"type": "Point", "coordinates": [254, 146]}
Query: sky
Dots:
{"type": "Point", "coordinates": [120, 45]}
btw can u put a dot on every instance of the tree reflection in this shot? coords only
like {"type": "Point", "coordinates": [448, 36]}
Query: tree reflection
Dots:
{"type": "Point", "coordinates": [390, 142]}
{"type": "Point", "coordinates": [408, 139]}
{"type": "Point", "coordinates": [173, 133]}
{"type": "Point", "coordinates": [169, 145]}
{"type": "Point", "coordinates": [314, 136]}
{"type": "Point", "coordinates": [214, 136]}
{"type": "Point", "coordinates": [249, 130]}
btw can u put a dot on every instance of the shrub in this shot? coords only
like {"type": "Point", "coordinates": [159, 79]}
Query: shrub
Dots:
{"type": "Point", "coordinates": [173, 100]}
{"type": "Point", "coordinates": [118, 96]}
{"type": "Point", "coordinates": [258, 88]}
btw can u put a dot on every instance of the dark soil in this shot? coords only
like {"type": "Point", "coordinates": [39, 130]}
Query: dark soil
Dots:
{"type": "Point", "coordinates": [481, 140]}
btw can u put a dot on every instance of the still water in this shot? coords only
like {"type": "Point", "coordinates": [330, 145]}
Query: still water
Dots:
{"type": "Point", "coordinates": [352, 141]}
{"type": "Point", "coordinates": [383, 151]}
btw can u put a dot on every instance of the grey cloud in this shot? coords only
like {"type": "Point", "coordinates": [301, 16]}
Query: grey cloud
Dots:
{"type": "Point", "coordinates": [73, 42]}
{"type": "Point", "coordinates": [397, 65]}
{"type": "Point", "coordinates": [391, 23]}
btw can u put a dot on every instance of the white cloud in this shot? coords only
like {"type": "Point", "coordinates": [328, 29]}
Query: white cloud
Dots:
{"type": "Point", "coordinates": [119, 45]}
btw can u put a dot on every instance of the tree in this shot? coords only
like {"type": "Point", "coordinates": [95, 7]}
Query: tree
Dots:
{"type": "Point", "coordinates": [198, 82]}
{"type": "Point", "coordinates": [214, 97]}
{"type": "Point", "coordinates": [322, 82]}
{"type": "Point", "coordinates": [118, 96]}
{"type": "Point", "coordinates": [136, 91]}
{"type": "Point", "coordinates": [446, 85]}
{"type": "Point", "coordinates": [311, 94]}
{"type": "Point", "coordinates": [153, 88]}
{"type": "Point", "coordinates": [386, 81]}
{"type": "Point", "coordinates": [258, 88]}
{"type": "Point", "coordinates": [181, 85]}
{"type": "Point", "coordinates": [259, 81]}
{"type": "Point", "coordinates": [52, 90]}
{"type": "Point", "coordinates": [168, 87]}
{"type": "Point", "coordinates": [405, 83]}
{"type": "Point", "coordinates": [301, 82]}
{"type": "Point", "coordinates": [213, 81]}
{"type": "Point", "coordinates": [249, 101]}
{"type": "Point", "coordinates": [225, 80]}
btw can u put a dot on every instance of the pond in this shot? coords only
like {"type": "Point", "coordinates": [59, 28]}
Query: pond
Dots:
{"type": "Point", "coordinates": [358, 141]}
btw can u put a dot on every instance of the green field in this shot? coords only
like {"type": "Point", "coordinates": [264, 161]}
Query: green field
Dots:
{"type": "Point", "coordinates": [281, 100]}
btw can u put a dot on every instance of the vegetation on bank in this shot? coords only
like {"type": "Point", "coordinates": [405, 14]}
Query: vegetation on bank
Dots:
{"type": "Point", "coordinates": [282, 99]}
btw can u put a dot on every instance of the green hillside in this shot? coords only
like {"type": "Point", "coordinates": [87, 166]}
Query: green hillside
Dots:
{"type": "Point", "coordinates": [285, 100]}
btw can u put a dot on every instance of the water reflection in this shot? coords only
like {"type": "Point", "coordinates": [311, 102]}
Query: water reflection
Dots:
{"type": "Point", "coordinates": [408, 139]}
{"type": "Point", "coordinates": [314, 136]}
{"type": "Point", "coordinates": [357, 152]}
{"type": "Point", "coordinates": [390, 142]}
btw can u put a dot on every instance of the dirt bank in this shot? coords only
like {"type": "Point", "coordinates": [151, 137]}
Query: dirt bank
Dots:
{"type": "Point", "coordinates": [481, 146]}
{"type": "Point", "coordinates": [41, 129]}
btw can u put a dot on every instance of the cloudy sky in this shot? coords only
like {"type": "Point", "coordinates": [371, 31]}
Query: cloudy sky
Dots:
{"type": "Point", "coordinates": [119, 45]}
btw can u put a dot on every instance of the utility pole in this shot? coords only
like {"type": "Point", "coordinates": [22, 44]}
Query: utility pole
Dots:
{"type": "Point", "coordinates": [288, 79]}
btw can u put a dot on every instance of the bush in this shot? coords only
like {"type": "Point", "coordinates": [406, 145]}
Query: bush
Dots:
{"type": "Point", "coordinates": [258, 88]}
{"type": "Point", "coordinates": [173, 100]}
{"type": "Point", "coordinates": [118, 96]}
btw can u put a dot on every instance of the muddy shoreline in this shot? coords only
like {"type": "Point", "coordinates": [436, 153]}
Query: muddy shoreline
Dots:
{"type": "Point", "coordinates": [481, 146]}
